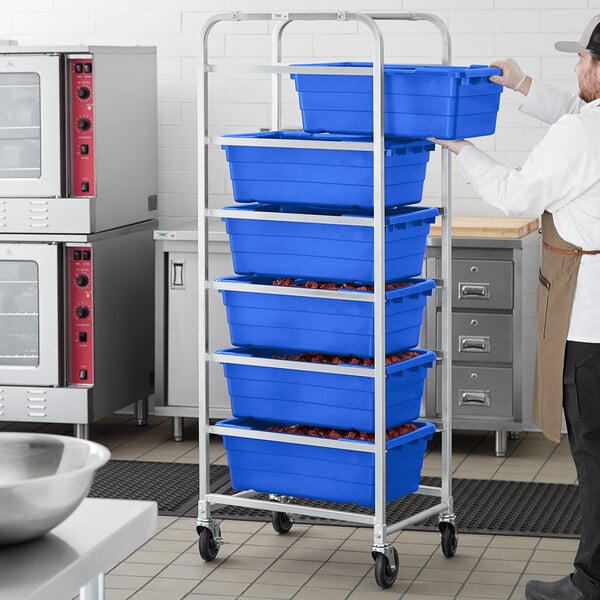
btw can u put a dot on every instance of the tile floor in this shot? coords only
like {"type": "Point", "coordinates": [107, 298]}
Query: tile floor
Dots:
{"type": "Point", "coordinates": [333, 562]}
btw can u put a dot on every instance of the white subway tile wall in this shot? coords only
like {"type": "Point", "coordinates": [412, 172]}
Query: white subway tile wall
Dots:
{"type": "Point", "coordinates": [480, 29]}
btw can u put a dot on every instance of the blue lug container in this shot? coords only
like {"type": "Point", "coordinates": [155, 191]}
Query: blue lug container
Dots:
{"type": "Point", "coordinates": [447, 102]}
{"type": "Point", "coordinates": [324, 177]}
{"type": "Point", "coordinates": [323, 473]}
{"type": "Point", "coordinates": [327, 251]}
{"type": "Point", "coordinates": [321, 324]}
{"type": "Point", "coordinates": [289, 395]}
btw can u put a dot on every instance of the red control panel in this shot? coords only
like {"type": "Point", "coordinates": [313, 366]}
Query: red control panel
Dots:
{"type": "Point", "coordinates": [81, 313]}
{"type": "Point", "coordinates": [82, 127]}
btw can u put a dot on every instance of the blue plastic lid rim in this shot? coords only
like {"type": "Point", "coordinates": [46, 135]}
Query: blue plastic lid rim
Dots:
{"type": "Point", "coordinates": [465, 73]}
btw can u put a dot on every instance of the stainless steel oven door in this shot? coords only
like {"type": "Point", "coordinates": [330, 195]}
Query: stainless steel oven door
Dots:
{"type": "Point", "coordinates": [29, 309]}
{"type": "Point", "coordinates": [30, 129]}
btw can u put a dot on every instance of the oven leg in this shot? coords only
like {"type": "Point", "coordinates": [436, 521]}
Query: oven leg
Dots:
{"type": "Point", "coordinates": [141, 411]}
{"type": "Point", "coordinates": [81, 430]}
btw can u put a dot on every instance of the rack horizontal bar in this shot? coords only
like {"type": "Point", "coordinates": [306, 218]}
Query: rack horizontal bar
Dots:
{"type": "Point", "coordinates": [283, 68]}
{"type": "Point", "coordinates": [290, 143]}
{"type": "Point", "coordinates": [296, 365]}
{"type": "Point", "coordinates": [420, 516]}
{"type": "Point", "coordinates": [303, 440]}
{"type": "Point", "coordinates": [294, 217]}
{"type": "Point", "coordinates": [353, 295]}
{"type": "Point", "coordinates": [243, 501]}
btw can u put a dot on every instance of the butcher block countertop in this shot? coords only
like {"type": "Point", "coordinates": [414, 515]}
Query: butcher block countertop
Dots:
{"type": "Point", "coordinates": [487, 227]}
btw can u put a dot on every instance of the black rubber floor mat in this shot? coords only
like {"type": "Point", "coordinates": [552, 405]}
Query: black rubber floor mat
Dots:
{"type": "Point", "coordinates": [174, 486]}
{"type": "Point", "coordinates": [481, 506]}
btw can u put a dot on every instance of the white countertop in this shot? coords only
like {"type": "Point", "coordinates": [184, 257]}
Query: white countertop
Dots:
{"type": "Point", "coordinates": [98, 534]}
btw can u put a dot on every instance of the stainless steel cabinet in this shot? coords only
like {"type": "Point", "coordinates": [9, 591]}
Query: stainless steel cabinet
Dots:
{"type": "Point", "coordinates": [176, 289]}
{"type": "Point", "coordinates": [494, 279]}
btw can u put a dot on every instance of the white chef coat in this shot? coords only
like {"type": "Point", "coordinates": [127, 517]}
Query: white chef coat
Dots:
{"type": "Point", "coordinates": [562, 176]}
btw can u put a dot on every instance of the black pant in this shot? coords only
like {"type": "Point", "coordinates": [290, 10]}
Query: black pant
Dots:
{"type": "Point", "coordinates": [582, 411]}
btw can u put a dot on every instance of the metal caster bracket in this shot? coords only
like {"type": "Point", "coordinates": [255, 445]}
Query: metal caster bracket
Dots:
{"type": "Point", "coordinates": [214, 527]}
{"type": "Point", "coordinates": [450, 519]}
{"type": "Point", "coordinates": [283, 500]}
{"type": "Point", "coordinates": [387, 550]}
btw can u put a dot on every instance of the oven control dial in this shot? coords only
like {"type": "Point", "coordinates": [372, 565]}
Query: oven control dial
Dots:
{"type": "Point", "coordinates": [83, 93]}
{"type": "Point", "coordinates": [82, 280]}
{"type": "Point", "coordinates": [84, 124]}
{"type": "Point", "coordinates": [82, 311]}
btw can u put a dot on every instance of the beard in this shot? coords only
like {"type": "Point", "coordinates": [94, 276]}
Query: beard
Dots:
{"type": "Point", "coordinates": [589, 88]}
{"type": "Point", "coordinates": [587, 96]}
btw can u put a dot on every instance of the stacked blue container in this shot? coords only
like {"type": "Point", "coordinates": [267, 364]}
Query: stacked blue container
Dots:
{"type": "Point", "coordinates": [336, 185]}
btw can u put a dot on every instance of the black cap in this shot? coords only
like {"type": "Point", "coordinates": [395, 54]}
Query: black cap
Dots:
{"type": "Point", "coordinates": [589, 41]}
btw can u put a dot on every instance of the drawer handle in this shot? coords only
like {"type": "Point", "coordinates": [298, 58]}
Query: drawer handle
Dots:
{"type": "Point", "coordinates": [474, 344]}
{"type": "Point", "coordinates": [474, 290]}
{"type": "Point", "coordinates": [474, 398]}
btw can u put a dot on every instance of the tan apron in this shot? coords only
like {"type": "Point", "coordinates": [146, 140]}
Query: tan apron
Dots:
{"type": "Point", "coordinates": [558, 277]}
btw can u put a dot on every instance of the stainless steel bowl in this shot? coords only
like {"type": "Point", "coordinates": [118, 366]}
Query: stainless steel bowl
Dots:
{"type": "Point", "coordinates": [43, 478]}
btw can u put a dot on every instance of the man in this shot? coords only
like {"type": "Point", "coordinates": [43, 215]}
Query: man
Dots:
{"type": "Point", "coordinates": [560, 180]}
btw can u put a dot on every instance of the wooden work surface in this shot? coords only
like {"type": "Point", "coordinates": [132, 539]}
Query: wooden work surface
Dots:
{"type": "Point", "coordinates": [487, 227]}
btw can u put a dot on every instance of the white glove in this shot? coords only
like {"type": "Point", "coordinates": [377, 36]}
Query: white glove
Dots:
{"type": "Point", "coordinates": [512, 75]}
{"type": "Point", "coordinates": [455, 146]}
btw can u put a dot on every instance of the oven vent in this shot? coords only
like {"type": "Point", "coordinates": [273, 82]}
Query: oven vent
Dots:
{"type": "Point", "coordinates": [38, 213]}
{"type": "Point", "coordinates": [36, 403]}
{"type": "Point", "coordinates": [1, 402]}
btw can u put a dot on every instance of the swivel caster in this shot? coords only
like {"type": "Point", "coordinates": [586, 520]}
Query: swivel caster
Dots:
{"type": "Point", "coordinates": [449, 540]}
{"type": "Point", "coordinates": [386, 571]}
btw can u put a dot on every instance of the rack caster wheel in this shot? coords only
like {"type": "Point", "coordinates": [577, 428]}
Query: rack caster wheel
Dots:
{"type": "Point", "coordinates": [386, 574]}
{"type": "Point", "coordinates": [282, 522]}
{"type": "Point", "coordinates": [449, 541]}
{"type": "Point", "coordinates": [207, 545]}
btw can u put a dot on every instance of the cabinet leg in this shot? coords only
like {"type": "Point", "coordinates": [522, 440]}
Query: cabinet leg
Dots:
{"type": "Point", "coordinates": [177, 429]}
{"type": "Point", "coordinates": [501, 443]}
{"type": "Point", "coordinates": [81, 430]}
{"type": "Point", "coordinates": [141, 411]}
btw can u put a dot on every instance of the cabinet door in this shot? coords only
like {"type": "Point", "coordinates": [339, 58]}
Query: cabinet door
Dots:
{"type": "Point", "coordinates": [181, 335]}
{"type": "Point", "coordinates": [182, 331]}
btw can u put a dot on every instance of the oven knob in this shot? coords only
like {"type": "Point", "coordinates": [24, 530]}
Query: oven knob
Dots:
{"type": "Point", "coordinates": [83, 93]}
{"type": "Point", "coordinates": [82, 312]}
{"type": "Point", "coordinates": [82, 280]}
{"type": "Point", "coordinates": [84, 124]}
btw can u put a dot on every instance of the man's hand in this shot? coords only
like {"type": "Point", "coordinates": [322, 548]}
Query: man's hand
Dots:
{"type": "Point", "coordinates": [512, 76]}
{"type": "Point", "coordinates": [455, 146]}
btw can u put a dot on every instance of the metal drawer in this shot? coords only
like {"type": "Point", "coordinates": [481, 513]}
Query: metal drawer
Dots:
{"type": "Point", "coordinates": [479, 391]}
{"type": "Point", "coordinates": [482, 284]}
{"type": "Point", "coordinates": [482, 337]}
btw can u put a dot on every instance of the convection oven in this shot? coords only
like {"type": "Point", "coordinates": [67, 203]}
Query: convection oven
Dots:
{"type": "Point", "coordinates": [78, 201]}
{"type": "Point", "coordinates": [78, 138]}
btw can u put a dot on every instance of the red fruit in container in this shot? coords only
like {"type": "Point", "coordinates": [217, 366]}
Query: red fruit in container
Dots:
{"type": "Point", "coordinates": [351, 434]}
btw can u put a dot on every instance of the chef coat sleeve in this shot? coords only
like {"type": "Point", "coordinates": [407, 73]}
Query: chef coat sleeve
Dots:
{"type": "Point", "coordinates": [551, 176]}
{"type": "Point", "coordinates": [547, 103]}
